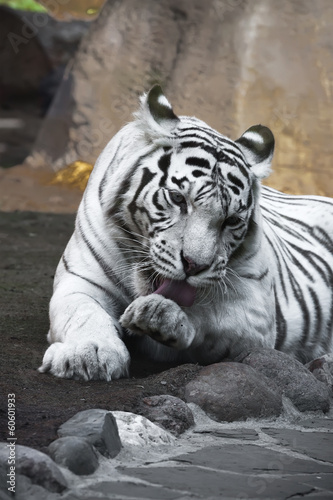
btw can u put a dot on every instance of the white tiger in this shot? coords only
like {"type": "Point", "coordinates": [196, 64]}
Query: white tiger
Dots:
{"type": "Point", "coordinates": [177, 242]}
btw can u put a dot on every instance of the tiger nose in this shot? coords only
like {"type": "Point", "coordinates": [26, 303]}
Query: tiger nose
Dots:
{"type": "Point", "coordinates": [191, 268]}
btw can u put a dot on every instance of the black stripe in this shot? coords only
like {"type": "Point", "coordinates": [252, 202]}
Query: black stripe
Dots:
{"type": "Point", "coordinates": [235, 189]}
{"type": "Point", "coordinates": [107, 270]}
{"type": "Point", "coordinates": [195, 161]}
{"type": "Point", "coordinates": [115, 208]}
{"type": "Point", "coordinates": [194, 144]}
{"type": "Point", "coordinates": [179, 182]}
{"type": "Point", "coordinates": [197, 173]}
{"type": "Point", "coordinates": [232, 178]}
{"type": "Point", "coordinates": [164, 164]}
{"type": "Point", "coordinates": [281, 324]}
{"type": "Point", "coordinates": [146, 178]}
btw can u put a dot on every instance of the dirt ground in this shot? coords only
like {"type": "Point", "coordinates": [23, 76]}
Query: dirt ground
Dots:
{"type": "Point", "coordinates": [31, 244]}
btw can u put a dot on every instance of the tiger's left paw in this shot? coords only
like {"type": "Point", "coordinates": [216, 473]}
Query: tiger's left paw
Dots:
{"type": "Point", "coordinates": [160, 318]}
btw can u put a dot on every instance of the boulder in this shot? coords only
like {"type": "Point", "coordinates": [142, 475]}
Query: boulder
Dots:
{"type": "Point", "coordinates": [232, 391]}
{"type": "Point", "coordinates": [292, 378]}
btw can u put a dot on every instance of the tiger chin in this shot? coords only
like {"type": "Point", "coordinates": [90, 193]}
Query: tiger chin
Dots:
{"type": "Point", "coordinates": [177, 243]}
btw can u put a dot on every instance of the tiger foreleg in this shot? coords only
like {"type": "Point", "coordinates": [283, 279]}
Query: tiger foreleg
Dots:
{"type": "Point", "coordinates": [85, 343]}
{"type": "Point", "coordinates": [160, 318]}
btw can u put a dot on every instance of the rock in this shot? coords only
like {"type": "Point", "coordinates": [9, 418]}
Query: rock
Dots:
{"type": "Point", "coordinates": [37, 466]}
{"type": "Point", "coordinates": [292, 378]}
{"type": "Point", "coordinates": [26, 490]}
{"type": "Point", "coordinates": [110, 435]}
{"type": "Point", "coordinates": [168, 411]}
{"type": "Point", "coordinates": [136, 430]}
{"type": "Point", "coordinates": [233, 391]}
{"type": "Point", "coordinates": [322, 369]}
{"type": "Point", "coordinates": [98, 429]}
{"type": "Point", "coordinates": [75, 453]}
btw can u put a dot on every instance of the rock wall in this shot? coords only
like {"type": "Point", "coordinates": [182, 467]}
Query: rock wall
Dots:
{"type": "Point", "coordinates": [232, 63]}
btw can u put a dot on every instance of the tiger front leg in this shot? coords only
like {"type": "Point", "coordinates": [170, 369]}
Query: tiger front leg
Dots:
{"type": "Point", "coordinates": [160, 318]}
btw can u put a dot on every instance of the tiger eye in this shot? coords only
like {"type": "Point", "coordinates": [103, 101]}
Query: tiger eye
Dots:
{"type": "Point", "coordinates": [231, 221]}
{"type": "Point", "coordinates": [177, 197]}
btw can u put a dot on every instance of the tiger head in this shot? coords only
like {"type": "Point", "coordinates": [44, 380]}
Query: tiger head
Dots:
{"type": "Point", "coordinates": [189, 198]}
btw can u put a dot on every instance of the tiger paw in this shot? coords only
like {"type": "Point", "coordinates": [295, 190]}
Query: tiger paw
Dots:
{"type": "Point", "coordinates": [87, 360]}
{"type": "Point", "coordinates": [160, 318]}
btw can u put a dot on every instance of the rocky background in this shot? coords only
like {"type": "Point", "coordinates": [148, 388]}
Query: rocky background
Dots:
{"type": "Point", "coordinates": [232, 63]}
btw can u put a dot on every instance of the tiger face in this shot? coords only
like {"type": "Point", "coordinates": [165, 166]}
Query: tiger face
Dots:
{"type": "Point", "coordinates": [191, 198]}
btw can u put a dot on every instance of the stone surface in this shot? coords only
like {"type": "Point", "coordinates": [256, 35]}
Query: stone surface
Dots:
{"type": "Point", "coordinates": [233, 391]}
{"type": "Point", "coordinates": [322, 369]}
{"type": "Point", "coordinates": [234, 472]}
{"type": "Point", "coordinates": [291, 377]}
{"type": "Point", "coordinates": [75, 453]}
{"type": "Point", "coordinates": [136, 430]}
{"type": "Point", "coordinates": [318, 445]}
{"type": "Point", "coordinates": [243, 434]}
{"type": "Point", "coordinates": [37, 466]}
{"type": "Point", "coordinates": [169, 412]}
{"type": "Point", "coordinates": [125, 489]}
{"type": "Point", "coordinates": [247, 458]}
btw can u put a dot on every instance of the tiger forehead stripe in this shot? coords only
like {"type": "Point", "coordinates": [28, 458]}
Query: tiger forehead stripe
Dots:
{"type": "Point", "coordinates": [195, 161]}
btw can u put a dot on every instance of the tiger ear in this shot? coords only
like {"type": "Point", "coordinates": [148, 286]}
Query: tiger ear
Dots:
{"type": "Point", "coordinates": [156, 113]}
{"type": "Point", "coordinates": [257, 145]}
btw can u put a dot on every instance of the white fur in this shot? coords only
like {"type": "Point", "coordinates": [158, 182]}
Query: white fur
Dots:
{"type": "Point", "coordinates": [235, 314]}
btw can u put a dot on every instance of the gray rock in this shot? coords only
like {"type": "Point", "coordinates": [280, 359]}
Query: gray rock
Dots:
{"type": "Point", "coordinates": [91, 425]}
{"type": "Point", "coordinates": [136, 430]}
{"type": "Point", "coordinates": [168, 411]}
{"type": "Point", "coordinates": [35, 465]}
{"type": "Point", "coordinates": [233, 391]}
{"type": "Point", "coordinates": [75, 453]}
{"type": "Point", "coordinates": [317, 445]}
{"type": "Point", "coordinates": [322, 369]}
{"type": "Point", "coordinates": [292, 378]}
{"type": "Point", "coordinates": [26, 490]}
{"type": "Point", "coordinates": [110, 435]}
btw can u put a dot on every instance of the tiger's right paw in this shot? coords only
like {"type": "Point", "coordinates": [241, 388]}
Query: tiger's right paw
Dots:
{"type": "Point", "coordinates": [87, 360]}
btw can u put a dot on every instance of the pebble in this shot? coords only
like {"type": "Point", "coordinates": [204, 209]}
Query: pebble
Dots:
{"type": "Point", "coordinates": [292, 378]}
{"type": "Point", "coordinates": [233, 391]}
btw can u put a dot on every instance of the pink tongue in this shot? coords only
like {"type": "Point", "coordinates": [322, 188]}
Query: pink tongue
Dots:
{"type": "Point", "coordinates": [179, 291]}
